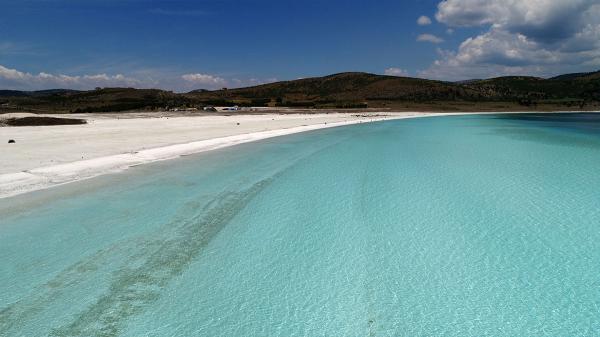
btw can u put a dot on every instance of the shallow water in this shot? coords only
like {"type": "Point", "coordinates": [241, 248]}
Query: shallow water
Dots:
{"type": "Point", "coordinates": [443, 226]}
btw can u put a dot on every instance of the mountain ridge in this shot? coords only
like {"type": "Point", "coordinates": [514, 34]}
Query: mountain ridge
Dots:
{"type": "Point", "coordinates": [341, 90]}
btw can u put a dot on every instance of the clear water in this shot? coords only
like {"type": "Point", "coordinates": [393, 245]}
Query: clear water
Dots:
{"type": "Point", "coordinates": [445, 226]}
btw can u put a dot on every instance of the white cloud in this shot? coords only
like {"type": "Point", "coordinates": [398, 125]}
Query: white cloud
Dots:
{"type": "Point", "coordinates": [11, 74]}
{"type": "Point", "coordinates": [15, 79]}
{"type": "Point", "coordinates": [429, 38]}
{"type": "Point", "coordinates": [20, 80]}
{"type": "Point", "coordinates": [536, 37]}
{"type": "Point", "coordinates": [395, 72]}
{"type": "Point", "coordinates": [423, 20]}
{"type": "Point", "coordinates": [204, 79]}
{"type": "Point", "coordinates": [546, 18]}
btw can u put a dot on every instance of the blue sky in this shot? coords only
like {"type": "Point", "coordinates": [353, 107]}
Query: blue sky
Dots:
{"type": "Point", "coordinates": [183, 45]}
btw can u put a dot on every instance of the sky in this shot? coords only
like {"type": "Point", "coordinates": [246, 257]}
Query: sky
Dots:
{"type": "Point", "coordinates": [208, 44]}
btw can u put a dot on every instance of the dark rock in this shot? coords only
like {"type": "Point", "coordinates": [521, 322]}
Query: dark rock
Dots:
{"type": "Point", "coordinates": [11, 141]}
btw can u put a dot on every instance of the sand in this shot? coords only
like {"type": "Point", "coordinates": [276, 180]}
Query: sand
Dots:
{"type": "Point", "coordinates": [46, 156]}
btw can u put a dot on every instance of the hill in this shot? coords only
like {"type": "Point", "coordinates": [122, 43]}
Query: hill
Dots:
{"type": "Point", "coordinates": [16, 93]}
{"type": "Point", "coordinates": [361, 89]}
{"type": "Point", "coordinates": [345, 90]}
{"type": "Point", "coordinates": [99, 100]}
{"type": "Point", "coordinates": [339, 90]}
{"type": "Point", "coordinates": [578, 76]}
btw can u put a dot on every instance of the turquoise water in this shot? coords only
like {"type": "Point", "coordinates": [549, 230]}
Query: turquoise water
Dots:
{"type": "Point", "coordinates": [445, 226]}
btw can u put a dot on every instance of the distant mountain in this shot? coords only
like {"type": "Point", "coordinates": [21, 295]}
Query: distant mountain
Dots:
{"type": "Point", "coordinates": [53, 92]}
{"type": "Point", "coordinates": [344, 90]}
{"type": "Point", "coordinates": [198, 91]}
{"type": "Point", "coordinates": [16, 93]}
{"type": "Point", "coordinates": [535, 89]}
{"type": "Point", "coordinates": [469, 81]}
{"type": "Point", "coordinates": [578, 76]}
{"type": "Point", "coordinates": [355, 89]}
{"type": "Point", "coordinates": [13, 93]}
{"type": "Point", "coordinates": [339, 89]}
{"type": "Point", "coordinates": [99, 100]}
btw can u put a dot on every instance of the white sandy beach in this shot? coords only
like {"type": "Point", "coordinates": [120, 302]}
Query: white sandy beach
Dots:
{"type": "Point", "coordinates": [45, 156]}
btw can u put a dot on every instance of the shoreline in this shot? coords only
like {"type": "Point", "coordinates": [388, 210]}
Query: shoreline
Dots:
{"type": "Point", "coordinates": [44, 177]}
{"type": "Point", "coordinates": [47, 176]}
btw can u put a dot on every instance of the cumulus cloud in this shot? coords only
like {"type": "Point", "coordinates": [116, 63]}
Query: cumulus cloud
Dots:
{"type": "Point", "coordinates": [536, 37]}
{"type": "Point", "coordinates": [19, 80]}
{"type": "Point", "coordinates": [204, 79]}
{"type": "Point", "coordinates": [15, 79]}
{"type": "Point", "coordinates": [423, 20]}
{"type": "Point", "coordinates": [395, 72]}
{"type": "Point", "coordinates": [429, 38]}
{"type": "Point", "coordinates": [544, 20]}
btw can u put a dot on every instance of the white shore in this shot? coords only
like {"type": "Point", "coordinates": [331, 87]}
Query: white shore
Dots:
{"type": "Point", "coordinates": [46, 156]}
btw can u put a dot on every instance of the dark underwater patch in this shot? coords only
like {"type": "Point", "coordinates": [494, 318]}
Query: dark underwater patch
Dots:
{"type": "Point", "coordinates": [138, 283]}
